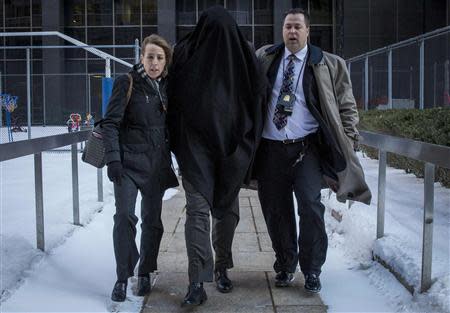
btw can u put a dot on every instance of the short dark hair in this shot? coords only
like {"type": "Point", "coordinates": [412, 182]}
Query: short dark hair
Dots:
{"type": "Point", "coordinates": [162, 43]}
{"type": "Point", "coordinates": [297, 11]}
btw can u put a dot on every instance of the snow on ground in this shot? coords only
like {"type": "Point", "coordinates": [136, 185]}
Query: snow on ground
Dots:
{"type": "Point", "coordinates": [355, 238]}
{"type": "Point", "coordinates": [59, 280]}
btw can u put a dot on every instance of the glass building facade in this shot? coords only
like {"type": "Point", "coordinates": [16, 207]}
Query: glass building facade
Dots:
{"type": "Point", "coordinates": [69, 80]}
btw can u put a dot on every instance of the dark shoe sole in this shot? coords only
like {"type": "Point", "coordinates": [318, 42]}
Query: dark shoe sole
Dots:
{"type": "Point", "coordinates": [282, 284]}
{"type": "Point", "coordinates": [313, 290]}
{"type": "Point", "coordinates": [222, 290]}
{"type": "Point", "coordinates": [187, 304]}
{"type": "Point", "coordinates": [118, 299]}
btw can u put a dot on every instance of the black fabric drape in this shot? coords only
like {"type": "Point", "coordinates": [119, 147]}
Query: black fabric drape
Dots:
{"type": "Point", "coordinates": [216, 98]}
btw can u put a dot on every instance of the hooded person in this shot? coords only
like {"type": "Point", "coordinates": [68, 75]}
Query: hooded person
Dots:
{"type": "Point", "coordinates": [216, 95]}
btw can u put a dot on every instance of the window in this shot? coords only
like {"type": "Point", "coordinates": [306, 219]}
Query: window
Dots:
{"type": "Point", "coordinates": [127, 12]}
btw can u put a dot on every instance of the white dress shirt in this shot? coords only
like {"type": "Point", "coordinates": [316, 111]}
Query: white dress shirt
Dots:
{"type": "Point", "coordinates": [301, 122]}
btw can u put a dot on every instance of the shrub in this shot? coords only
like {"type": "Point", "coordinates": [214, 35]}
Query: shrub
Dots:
{"type": "Point", "coordinates": [430, 125]}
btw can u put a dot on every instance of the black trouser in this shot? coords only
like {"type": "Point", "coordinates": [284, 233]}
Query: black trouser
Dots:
{"type": "Point", "coordinates": [277, 180]}
{"type": "Point", "coordinates": [198, 238]}
{"type": "Point", "coordinates": [124, 231]}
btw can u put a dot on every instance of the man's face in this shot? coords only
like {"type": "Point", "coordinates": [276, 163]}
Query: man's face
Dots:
{"type": "Point", "coordinates": [154, 60]}
{"type": "Point", "coordinates": [295, 32]}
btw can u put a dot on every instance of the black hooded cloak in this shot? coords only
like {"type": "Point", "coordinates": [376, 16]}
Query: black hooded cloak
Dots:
{"type": "Point", "coordinates": [217, 95]}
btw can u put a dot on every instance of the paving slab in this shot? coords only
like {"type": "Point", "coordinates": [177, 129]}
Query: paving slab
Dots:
{"type": "Point", "coordinates": [252, 275]}
{"type": "Point", "coordinates": [250, 294]}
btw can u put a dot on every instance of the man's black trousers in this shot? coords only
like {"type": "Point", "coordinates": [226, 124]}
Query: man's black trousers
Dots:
{"type": "Point", "coordinates": [124, 231]}
{"type": "Point", "coordinates": [278, 178]}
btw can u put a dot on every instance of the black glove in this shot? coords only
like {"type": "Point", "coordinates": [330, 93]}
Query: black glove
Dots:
{"type": "Point", "coordinates": [115, 172]}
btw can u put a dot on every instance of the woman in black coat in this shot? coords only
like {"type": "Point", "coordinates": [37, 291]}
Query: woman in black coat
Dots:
{"type": "Point", "coordinates": [138, 158]}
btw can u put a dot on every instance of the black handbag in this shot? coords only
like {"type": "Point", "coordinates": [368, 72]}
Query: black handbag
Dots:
{"type": "Point", "coordinates": [94, 151]}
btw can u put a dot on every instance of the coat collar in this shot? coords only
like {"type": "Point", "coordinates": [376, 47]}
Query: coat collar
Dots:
{"type": "Point", "coordinates": [315, 53]}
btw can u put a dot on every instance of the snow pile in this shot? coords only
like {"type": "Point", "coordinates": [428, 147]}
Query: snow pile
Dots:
{"type": "Point", "coordinates": [401, 247]}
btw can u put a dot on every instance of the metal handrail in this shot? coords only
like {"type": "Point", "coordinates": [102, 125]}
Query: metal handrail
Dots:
{"type": "Point", "coordinates": [434, 33]}
{"type": "Point", "coordinates": [22, 148]}
{"type": "Point", "coordinates": [74, 41]}
{"type": "Point", "coordinates": [13, 150]}
{"type": "Point", "coordinates": [432, 155]}
{"type": "Point", "coordinates": [421, 151]}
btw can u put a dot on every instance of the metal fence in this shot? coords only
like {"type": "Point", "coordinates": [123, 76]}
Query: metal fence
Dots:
{"type": "Point", "coordinates": [9, 151]}
{"type": "Point", "coordinates": [414, 73]}
{"type": "Point", "coordinates": [53, 80]}
{"type": "Point", "coordinates": [432, 155]}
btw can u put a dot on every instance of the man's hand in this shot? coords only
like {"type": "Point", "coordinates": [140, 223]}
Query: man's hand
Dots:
{"type": "Point", "coordinates": [115, 172]}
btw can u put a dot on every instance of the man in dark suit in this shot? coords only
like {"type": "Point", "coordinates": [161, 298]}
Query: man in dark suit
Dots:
{"type": "Point", "coordinates": [308, 138]}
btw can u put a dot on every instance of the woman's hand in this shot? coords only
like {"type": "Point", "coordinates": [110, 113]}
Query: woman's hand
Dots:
{"type": "Point", "coordinates": [115, 172]}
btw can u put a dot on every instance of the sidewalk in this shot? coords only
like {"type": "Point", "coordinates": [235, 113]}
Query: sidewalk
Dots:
{"type": "Point", "coordinates": [252, 274]}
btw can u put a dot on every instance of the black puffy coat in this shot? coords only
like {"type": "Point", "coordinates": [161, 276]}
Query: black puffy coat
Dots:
{"type": "Point", "coordinates": [136, 134]}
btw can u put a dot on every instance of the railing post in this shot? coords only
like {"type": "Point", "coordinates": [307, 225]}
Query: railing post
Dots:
{"type": "Point", "coordinates": [421, 74]}
{"type": "Point", "coordinates": [390, 79]}
{"type": "Point", "coordinates": [39, 198]}
{"type": "Point", "coordinates": [136, 51]}
{"type": "Point", "coordinates": [427, 242]}
{"type": "Point", "coordinates": [1, 110]}
{"type": "Point", "coordinates": [99, 185]}
{"type": "Point", "coordinates": [75, 191]}
{"type": "Point", "coordinates": [366, 83]}
{"type": "Point", "coordinates": [382, 158]}
{"type": "Point", "coordinates": [29, 92]}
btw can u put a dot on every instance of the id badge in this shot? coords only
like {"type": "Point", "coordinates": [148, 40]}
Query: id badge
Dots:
{"type": "Point", "coordinates": [287, 103]}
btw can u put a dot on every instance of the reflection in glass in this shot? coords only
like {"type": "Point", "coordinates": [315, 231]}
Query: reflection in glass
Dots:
{"type": "Point", "coordinates": [149, 12]}
{"type": "Point", "coordinates": [17, 13]}
{"type": "Point", "coordinates": [36, 14]}
{"type": "Point", "coordinates": [127, 12]}
{"type": "Point", "coordinates": [186, 12]}
{"type": "Point", "coordinates": [126, 36]}
{"type": "Point", "coordinates": [321, 11]}
{"type": "Point", "coordinates": [79, 34]}
{"type": "Point", "coordinates": [100, 36]}
{"type": "Point", "coordinates": [74, 13]}
{"type": "Point", "coordinates": [147, 31]}
{"type": "Point", "coordinates": [322, 36]}
{"type": "Point", "coordinates": [241, 10]}
{"type": "Point", "coordinates": [204, 4]}
{"type": "Point", "coordinates": [263, 11]}
{"type": "Point", "coordinates": [99, 12]}
{"type": "Point", "coordinates": [183, 31]}
{"type": "Point", "coordinates": [263, 36]}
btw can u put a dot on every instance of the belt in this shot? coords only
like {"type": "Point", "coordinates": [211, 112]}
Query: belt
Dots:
{"type": "Point", "coordinates": [303, 140]}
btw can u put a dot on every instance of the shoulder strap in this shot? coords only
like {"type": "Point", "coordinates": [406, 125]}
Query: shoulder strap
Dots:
{"type": "Point", "coordinates": [130, 88]}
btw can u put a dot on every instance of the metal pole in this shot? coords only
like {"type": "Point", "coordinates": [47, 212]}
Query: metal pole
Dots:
{"type": "Point", "coordinates": [427, 243]}
{"type": "Point", "coordinates": [136, 51]}
{"type": "Point", "coordinates": [75, 192]}
{"type": "Point", "coordinates": [1, 109]}
{"type": "Point", "coordinates": [39, 197]}
{"type": "Point", "coordinates": [366, 83]}
{"type": "Point", "coordinates": [349, 68]}
{"type": "Point", "coordinates": [89, 93]}
{"type": "Point", "coordinates": [390, 106]}
{"type": "Point", "coordinates": [29, 92]}
{"type": "Point", "coordinates": [382, 158]}
{"type": "Point", "coordinates": [421, 74]}
{"type": "Point", "coordinates": [434, 83]}
{"type": "Point", "coordinates": [43, 99]}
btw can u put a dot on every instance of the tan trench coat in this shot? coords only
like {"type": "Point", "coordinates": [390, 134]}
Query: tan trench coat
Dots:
{"type": "Point", "coordinates": [339, 112]}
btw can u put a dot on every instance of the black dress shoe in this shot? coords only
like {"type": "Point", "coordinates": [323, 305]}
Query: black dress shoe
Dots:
{"type": "Point", "coordinates": [143, 286]}
{"type": "Point", "coordinates": [119, 292]}
{"type": "Point", "coordinates": [283, 279]}
{"type": "Point", "coordinates": [223, 283]}
{"type": "Point", "coordinates": [196, 295]}
{"type": "Point", "coordinates": [312, 283]}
